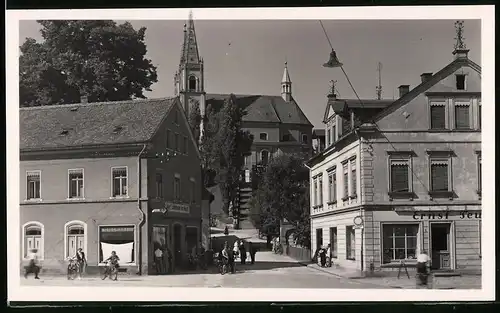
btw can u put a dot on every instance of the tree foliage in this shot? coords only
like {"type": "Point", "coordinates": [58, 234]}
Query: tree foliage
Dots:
{"type": "Point", "coordinates": [283, 194]}
{"type": "Point", "coordinates": [96, 58]}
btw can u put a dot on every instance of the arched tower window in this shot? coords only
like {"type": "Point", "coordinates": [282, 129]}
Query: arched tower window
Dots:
{"type": "Point", "coordinates": [192, 83]}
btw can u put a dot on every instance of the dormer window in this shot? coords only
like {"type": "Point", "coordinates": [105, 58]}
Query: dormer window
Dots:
{"type": "Point", "coordinates": [263, 136]}
{"type": "Point", "coordinates": [460, 80]}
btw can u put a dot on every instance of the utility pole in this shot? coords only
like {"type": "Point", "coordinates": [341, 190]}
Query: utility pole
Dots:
{"type": "Point", "coordinates": [379, 87]}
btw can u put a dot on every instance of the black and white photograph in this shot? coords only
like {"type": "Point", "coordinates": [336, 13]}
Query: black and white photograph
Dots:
{"type": "Point", "coordinates": [320, 154]}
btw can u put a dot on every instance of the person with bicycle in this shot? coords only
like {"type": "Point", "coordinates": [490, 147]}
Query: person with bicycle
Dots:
{"type": "Point", "coordinates": [81, 261]}
{"type": "Point", "coordinates": [113, 260]}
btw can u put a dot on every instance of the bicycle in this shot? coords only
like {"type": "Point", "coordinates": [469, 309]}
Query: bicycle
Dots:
{"type": "Point", "coordinates": [111, 271]}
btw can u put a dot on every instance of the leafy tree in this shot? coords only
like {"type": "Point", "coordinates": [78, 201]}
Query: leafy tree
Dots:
{"type": "Point", "coordinates": [283, 194]}
{"type": "Point", "coordinates": [97, 58]}
{"type": "Point", "coordinates": [194, 121]}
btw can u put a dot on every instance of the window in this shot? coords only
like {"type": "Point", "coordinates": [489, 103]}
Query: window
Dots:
{"type": "Point", "coordinates": [460, 80]}
{"type": "Point", "coordinates": [479, 117]}
{"type": "Point", "coordinates": [185, 145]}
{"type": "Point", "coordinates": [399, 242]}
{"type": "Point", "coordinates": [304, 138]}
{"type": "Point", "coordinates": [439, 175]}
{"type": "Point", "coordinates": [332, 186]}
{"type": "Point", "coordinates": [350, 239]}
{"type": "Point", "coordinates": [75, 184]}
{"type": "Point", "coordinates": [192, 83]}
{"type": "Point", "coordinates": [354, 192]}
{"type": "Point", "coordinates": [319, 238]}
{"type": "Point", "coordinates": [320, 178]}
{"type": "Point", "coordinates": [462, 116]}
{"type": "Point", "coordinates": [159, 185]}
{"type": "Point", "coordinates": [33, 238]}
{"type": "Point", "coordinates": [168, 140]}
{"type": "Point", "coordinates": [118, 238]}
{"type": "Point", "coordinates": [438, 116]}
{"type": "Point", "coordinates": [74, 238]}
{"type": "Point", "coordinates": [479, 173]}
{"type": "Point", "coordinates": [315, 191]}
{"type": "Point", "coordinates": [399, 177]}
{"type": "Point", "coordinates": [177, 187]}
{"type": "Point", "coordinates": [33, 186]}
{"type": "Point", "coordinates": [119, 176]}
{"type": "Point", "coordinates": [333, 134]}
{"type": "Point", "coordinates": [333, 241]}
{"type": "Point", "coordinates": [264, 157]}
{"type": "Point", "coordinates": [192, 191]}
{"type": "Point", "coordinates": [345, 171]}
{"type": "Point", "coordinates": [263, 136]}
{"type": "Point", "coordinates": [176, 142]}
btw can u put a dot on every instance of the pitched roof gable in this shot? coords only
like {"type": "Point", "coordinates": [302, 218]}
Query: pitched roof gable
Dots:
{"type": "Point", "coordinates": [338, 105]}
{"type": "Point", "coordinates": [432, 81]}
{"type": "Point", "coordinates": [261, 108]}
{"type": "Point", "coordinates": [104, 123]}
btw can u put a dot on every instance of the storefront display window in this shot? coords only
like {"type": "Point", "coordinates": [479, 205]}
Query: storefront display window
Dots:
{"type": "Point", "coordinates": [119, 239]}
{"type": "Point", "coordinates": [399, 242]}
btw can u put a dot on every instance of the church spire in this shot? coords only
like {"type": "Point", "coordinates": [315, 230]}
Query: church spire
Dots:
{"type": "Point", "coordinates": [189, 52]}
{"type": "Point", "coordinates": [286, 85]}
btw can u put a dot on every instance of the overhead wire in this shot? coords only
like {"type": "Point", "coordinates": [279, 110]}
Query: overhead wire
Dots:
{"type": "Point", "coordinates": [378, 128]}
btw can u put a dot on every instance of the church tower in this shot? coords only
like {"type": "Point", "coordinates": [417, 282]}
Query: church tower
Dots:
{"type": "Point", "coordinates": [189, 78]}
{"type": "Point", "coordinates": [286, 85]}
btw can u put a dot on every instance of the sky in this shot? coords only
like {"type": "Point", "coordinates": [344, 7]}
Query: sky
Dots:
{"type": "Point", "coordinates": [248, 56]}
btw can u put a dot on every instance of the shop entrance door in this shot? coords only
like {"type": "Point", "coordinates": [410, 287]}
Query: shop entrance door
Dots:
{"type": "Point", "coordinates": [178, 244]}
{"type": "Point", "coordinates": [440, 246]}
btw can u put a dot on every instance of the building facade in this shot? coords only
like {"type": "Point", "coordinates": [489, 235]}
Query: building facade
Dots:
{"type": "Point", "coordinates": [121, 176]}
{"type": "Point", "coordinates": [405, 177]}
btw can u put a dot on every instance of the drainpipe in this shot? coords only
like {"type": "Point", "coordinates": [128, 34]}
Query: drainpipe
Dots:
{"type": "Point", "coordinates": [142, 218]}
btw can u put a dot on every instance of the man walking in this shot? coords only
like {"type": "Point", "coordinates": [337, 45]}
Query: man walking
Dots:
{"type": "Point", "coordinates": [32, 265]}
{"type": "Point", "coordinates": [159, 261]}
{"type": "Point", "coordinates": [422, 274]}
{"type": "Point", "coordinates": [82, 262]}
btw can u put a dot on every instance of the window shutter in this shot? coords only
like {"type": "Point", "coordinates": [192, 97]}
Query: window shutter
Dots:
{"type": "Point", "coordinates": [438, 117]}
{"type": "Point", "coordinates": [462, 117]}
{"type": "Point", "coordinates": [439, 176]}
{"type": "Point", "coordinates": [399, 177]}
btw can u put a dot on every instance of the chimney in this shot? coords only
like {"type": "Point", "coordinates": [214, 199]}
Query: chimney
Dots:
{"type": "Point", "coordinates": [84, 99]}
{"type": "Point", "coordinates": [425, 77]}
{"type": "Point", "coordinates": [403, 89]}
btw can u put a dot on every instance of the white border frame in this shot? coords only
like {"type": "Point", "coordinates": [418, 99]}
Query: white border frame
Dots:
{"type": "Point", "coordinates": [23, 236]}
{"type": "Point", "coordinates": [83, 179]}
{"type": "Point", "coordinates": [85, 236]}
{"type": "Point", "coordinates": [99, 263]}
{"type": "Point", "coordinates": [26, 186]}
{"type": "Point", "coordinates": [111, 182]}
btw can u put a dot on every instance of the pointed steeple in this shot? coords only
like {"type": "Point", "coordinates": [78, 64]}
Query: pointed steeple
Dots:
{"type": "Point", "coordinates": [286, 85]}
{"type": "Point", "coordinates": [189, 52]}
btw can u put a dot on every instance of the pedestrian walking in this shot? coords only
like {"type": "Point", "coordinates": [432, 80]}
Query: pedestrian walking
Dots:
{"type": "Point", "coordinates": [236, 249]}
{"type": "Point", "coordinates": [322, 257]}
{"type": "Point", "coordinates": [243, 253]}
{"type": "Point", "coordinates": [253, 250]}
{"type": "Point", "coordinates": [81, 261]}
{"type": "Point", "coordinates": [422, 273]}
{"type": "Point", "coordinates": [159, 261]}
{"type": "Point", "coordinates": [32, 267]}
{"type": "Point", "coordinates": [226, 231]}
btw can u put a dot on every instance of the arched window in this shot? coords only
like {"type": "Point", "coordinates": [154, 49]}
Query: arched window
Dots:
{"type": "Point", "coordinates": [33, 238]}
{"type": "Point", "coordinates": [192, 83]}
{"type": "Point", "coordinates": [264, 157]}
{"type": "Point", "coordinates": [75, 237]}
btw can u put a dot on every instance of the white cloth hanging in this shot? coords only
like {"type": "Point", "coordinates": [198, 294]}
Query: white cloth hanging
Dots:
{"type": "Point", "coordinates": [124, 251]}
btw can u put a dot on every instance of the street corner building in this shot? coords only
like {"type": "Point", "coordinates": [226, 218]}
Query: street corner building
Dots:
{"type": "Point", "coordinates": [116, 176]}
{"type": "Point", "coordinates": [400, 176]}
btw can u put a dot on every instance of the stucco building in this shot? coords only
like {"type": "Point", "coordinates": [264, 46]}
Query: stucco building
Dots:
{"type": "Point", "coordinates": [121, 176]}
{"type": "Point", "coordinates": [407, 171]}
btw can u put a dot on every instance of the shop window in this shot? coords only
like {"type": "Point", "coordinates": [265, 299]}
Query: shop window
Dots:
{"type": "Point", "coordinates": [33, 186]}
{"type": "Point", "coordinates": [75, 237]}
{"type": "Point", "coordinates": [33, 238]}
{"type": "Point", "coordinates": [160, 239]}
{"type": "Point", "coordinates": [399, 242]}
{"type": "Point", "coordinates": [333, 241]}
{"type": "Point", "coordinates": [119, 181]}
{"type": "Point", "coordinates": [75, 184]}
{"type": "Point", "coordinates": [350, 239]}
{"type": "Point", "coordinates": [118, 238]}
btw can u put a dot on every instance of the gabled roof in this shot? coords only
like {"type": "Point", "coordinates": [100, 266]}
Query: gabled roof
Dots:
{"type": "Point", "coordinates": [341, 105]}
{"type": "Point", "coordinates": [432, 81]}
{"type": "Point", "coordinates": [90, 124]}
{"type": "Point", "coordinates": [261, 108]}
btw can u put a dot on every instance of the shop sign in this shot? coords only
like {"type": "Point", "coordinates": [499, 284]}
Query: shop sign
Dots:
{"type": "Point", "coordinates": [172, 207]}
{"type": "Point", "coordinates": [116, 229]}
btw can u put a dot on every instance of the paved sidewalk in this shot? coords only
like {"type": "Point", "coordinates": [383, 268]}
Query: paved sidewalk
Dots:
{"type": "Point", "coordinates": [453, 282]}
